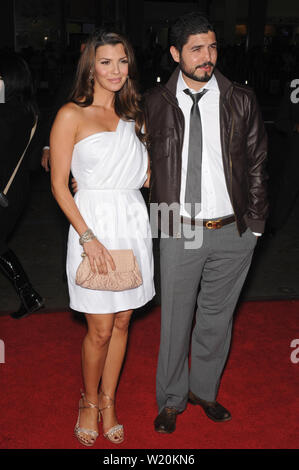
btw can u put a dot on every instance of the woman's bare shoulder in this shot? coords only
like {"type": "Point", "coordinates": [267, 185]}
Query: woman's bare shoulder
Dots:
{"type": "Point", "coordinates": [68, 118]}
{"type": "Point", "coordinates": [70, 111]}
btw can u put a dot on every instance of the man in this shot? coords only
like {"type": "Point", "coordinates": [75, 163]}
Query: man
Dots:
{"type": "Point", "coordinates": [208, 154]}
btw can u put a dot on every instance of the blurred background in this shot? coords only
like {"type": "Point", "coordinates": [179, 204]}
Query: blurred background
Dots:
{"type": "Point", "coordinates": [258, 46]}
{"type": "Point", "coordinates": [259, 39]}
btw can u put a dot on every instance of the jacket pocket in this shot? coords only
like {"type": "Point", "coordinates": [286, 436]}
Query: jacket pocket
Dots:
{"type": "Point", "coordinates": [161, 143]}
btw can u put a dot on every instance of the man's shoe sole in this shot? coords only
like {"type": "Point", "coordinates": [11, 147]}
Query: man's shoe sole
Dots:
{"type": "Point", "coordinates": [161, 431]}
{"type": "Point", "coordinates": [210, 417]}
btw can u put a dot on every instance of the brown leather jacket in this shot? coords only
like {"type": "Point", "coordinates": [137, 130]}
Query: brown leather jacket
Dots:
{"type": "Point", "coordinates": [243, 142]}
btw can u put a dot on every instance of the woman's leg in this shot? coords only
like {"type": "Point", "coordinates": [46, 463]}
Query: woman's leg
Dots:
{"type": "Point", "coordinates": [112, 368]}
{"type": "Point", "coordinates": [94, 351]}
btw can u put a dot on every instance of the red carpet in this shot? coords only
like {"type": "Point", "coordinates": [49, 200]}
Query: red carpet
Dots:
{"type": "Point", "coordinates": [41, 379]}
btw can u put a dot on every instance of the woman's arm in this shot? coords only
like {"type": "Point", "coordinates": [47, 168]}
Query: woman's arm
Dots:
{"type": "Point", "coordinates": [62, 140]}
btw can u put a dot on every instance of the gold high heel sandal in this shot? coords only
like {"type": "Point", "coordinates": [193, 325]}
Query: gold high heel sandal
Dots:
{"type": "Point", "coordinates": [116, 433]}
{"type": "Point", "coordinates": [89, 432]}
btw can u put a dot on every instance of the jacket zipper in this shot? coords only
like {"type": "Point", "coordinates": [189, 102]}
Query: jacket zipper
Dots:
{"type": "Point", "coordinates": [181, 113]}
{"type": "Point", "coordinates": [179, 109]}
{"type": "Point", "coordinates": [183, 125]}
{"type": "Point", "coordinates": [230, 159]}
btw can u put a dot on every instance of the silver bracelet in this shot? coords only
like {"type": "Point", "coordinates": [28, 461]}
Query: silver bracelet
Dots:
{"type": "Point", "coordinates": [87, 236]}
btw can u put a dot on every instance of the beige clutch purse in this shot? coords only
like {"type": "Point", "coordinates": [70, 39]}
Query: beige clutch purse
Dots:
{"type": "Point", "coordinates": [126, 276]}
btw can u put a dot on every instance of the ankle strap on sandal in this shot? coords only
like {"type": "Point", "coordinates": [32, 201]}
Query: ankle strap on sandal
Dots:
{"type": "Point", "coordinates": [109, 398]}
{"type": "Point", "coordinates": [91, 405]}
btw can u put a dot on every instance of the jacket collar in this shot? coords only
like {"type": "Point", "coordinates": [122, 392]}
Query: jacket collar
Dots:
{"type": "Point", "coordinates": [223, 83]}
{"type": "Point", "coordinates": [172, 82]}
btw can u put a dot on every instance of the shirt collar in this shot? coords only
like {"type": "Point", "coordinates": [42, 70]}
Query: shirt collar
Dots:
{"type": "Point", "coordinates": [210, 85]}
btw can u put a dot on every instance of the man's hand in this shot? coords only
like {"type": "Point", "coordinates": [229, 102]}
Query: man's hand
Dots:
{"type": "Point", "coordinates": [45, 161]}
{"type": "Point", "coordinates": [74, 185]}
{"type": "Point", "coordinates": [147, 183]}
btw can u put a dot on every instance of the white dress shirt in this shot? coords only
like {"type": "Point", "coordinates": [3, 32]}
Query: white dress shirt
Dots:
{"type": "Point", "coordinates": [215, 201]}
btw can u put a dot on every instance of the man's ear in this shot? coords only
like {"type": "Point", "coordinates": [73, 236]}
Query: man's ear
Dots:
{"type": "Point", "coordinates": [175, 53]}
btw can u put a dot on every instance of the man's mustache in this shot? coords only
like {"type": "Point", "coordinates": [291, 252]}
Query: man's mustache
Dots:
{"type": "Point", "coordinates": [204, 65]}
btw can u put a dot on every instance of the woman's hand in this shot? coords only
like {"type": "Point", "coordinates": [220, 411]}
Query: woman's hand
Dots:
{"type": "Point", "coordinates": [98, 256]}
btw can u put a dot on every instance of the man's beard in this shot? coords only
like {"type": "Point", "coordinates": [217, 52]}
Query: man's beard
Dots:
{"type": "Point", "coordinates": [191, 74]}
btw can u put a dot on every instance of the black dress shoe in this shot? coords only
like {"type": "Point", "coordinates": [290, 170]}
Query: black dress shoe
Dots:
{"type": "Point", "coordinates": [165, 421]}
{"type": "Point", "coordinates": [213, 410]}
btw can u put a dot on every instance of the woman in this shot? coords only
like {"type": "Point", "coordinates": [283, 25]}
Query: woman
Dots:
{"type": "Point", "coordinates": [98, 135]}
{"type": "Point", "coordinates": [18, 113]}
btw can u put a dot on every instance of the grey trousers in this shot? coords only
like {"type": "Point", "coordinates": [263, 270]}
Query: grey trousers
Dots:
{"type": "Point", "coordinates": [212, 276]}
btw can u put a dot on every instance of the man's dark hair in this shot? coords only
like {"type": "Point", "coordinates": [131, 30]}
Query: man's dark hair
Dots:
{"type": "Point", "coordinates": [185, 26]}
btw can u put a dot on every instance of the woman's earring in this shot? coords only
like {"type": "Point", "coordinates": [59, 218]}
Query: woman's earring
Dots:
{"type": "Point", "coordinates": [90, 78]}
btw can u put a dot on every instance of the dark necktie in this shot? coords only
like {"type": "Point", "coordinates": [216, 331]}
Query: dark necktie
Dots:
{"type": "Point", "coordinates": [193, 183]}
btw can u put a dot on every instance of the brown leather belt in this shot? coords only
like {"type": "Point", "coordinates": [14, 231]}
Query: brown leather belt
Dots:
{"type": "Point", "coordinates": [210, 224]}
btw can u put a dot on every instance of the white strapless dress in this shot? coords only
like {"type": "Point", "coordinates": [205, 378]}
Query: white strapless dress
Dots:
{"type": "Point", "coordinates": [110, 168]}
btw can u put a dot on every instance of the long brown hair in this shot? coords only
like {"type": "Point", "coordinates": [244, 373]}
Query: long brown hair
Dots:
{"type": "Point", "coordinates": [128, 103]}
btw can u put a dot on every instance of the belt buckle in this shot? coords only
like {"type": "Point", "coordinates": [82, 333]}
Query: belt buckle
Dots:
{"type": "Point", "coordinates": [214, 224]}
